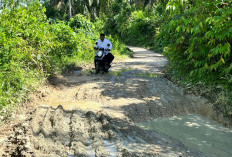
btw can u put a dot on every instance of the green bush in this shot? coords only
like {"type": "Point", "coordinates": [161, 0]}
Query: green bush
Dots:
{"type": "Point", "coordinates": [135, 27]}
{"type": "Point", "coordinates": [70, 46]}
{"type": "Point", "coordinates": [23, 51]}
{"type": "Point", "coordinates": [81, 22]}
{"type": "Point", "coordinates": [196, 37]}
{"type": "Point", "coordinates": [119, 49]}
{"type": "Point", "coordinates": [141, 28]}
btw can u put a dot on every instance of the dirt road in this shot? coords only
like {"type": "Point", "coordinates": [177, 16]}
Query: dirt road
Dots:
{"type": "Point", "coordinates": [83, 114]}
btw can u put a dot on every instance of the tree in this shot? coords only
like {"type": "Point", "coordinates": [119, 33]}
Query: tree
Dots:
{"type": "Point", "coordinates": [70, 9]}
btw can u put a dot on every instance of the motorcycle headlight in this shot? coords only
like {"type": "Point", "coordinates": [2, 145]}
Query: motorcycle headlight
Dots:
{"type": "Point", "coordinates": [99, 53]}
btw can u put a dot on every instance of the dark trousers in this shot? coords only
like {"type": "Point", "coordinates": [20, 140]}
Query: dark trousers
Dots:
{"type": "Point", "coordinates": [108, 58]}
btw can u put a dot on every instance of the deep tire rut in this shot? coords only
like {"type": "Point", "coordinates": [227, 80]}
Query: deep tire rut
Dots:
{"type": "Point", "coordinates": [57, 132]}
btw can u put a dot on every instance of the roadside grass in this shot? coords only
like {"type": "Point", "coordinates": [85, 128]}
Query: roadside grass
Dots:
{"type": "Point", "coordinates": [119, 72]}
{"type": "Point", "coordinates": [150, 75]}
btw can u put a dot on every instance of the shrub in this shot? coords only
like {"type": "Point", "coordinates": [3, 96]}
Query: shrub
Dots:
{"type": "Point", "coordinates": [196, 37]}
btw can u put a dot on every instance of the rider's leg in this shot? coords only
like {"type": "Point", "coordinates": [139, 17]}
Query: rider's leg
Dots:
{"type": "Point", "coordinates": [109, 58]}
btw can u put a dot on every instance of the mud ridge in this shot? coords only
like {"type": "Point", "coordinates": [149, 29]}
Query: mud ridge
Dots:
{"type": "Point", "coordinates": [57, 132]}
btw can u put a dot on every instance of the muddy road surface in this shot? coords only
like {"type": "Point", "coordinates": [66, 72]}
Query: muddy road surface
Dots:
{"type": "Point", "coordinates": [84, 114]}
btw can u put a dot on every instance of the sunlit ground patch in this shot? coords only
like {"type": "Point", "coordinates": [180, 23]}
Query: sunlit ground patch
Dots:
{"type": "Point", "coordinates": [196, 132]}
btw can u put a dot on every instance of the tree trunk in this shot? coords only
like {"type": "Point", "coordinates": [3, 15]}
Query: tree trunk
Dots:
{"type": "Point", "coordinates": [70, 9]}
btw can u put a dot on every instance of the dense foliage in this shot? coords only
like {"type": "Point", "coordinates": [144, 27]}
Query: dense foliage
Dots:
{"type": "Point", "coordinates": [196, 36]}
{"type": "Point", "coordinates": [199, 35]}
{"type": "Point", "coordinates": [139, 26]}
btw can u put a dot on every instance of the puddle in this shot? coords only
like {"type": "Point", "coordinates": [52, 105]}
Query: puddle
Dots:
{"type": "Point", "coordinates": [111, 148]}
{"type": "Point", "coordinates": [78, 72]}
{"type": "Point", "coordinates": [195, 132]}
{"type": "Point", "coordinates": [90, 151]}
{"type": "Point", "coordinates": [146, 148]}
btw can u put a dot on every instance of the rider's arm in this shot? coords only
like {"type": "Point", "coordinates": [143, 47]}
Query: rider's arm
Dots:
{"type": "Point", "coordinates": [96, 45]}
{"type": "Point", "coordinates": [110, 47]}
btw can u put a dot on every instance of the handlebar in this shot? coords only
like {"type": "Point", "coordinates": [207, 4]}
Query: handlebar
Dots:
{"type": "Point", "coordinates": [102, 49]}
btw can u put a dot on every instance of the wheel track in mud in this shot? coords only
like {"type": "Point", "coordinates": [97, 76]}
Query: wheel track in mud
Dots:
{"type": "Point", "coordinates": [73, 133]}
{"type": "Point", "coordinates": [65, 133]}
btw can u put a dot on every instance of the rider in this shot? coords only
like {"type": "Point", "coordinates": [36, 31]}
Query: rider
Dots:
{"type": "Point", "coordinates": [106, 44]}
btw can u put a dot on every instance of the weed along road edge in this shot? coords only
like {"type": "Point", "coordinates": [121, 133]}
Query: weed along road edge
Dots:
{"type": "Point", "coordinates": [131, 111]}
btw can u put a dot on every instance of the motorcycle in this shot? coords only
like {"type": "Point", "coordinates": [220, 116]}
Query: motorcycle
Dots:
{"type": "Point", "coordinates": [99, 60]}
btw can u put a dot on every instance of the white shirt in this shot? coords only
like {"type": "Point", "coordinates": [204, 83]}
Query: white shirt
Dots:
{"type": "Point", "coordinates": [104, 44]}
